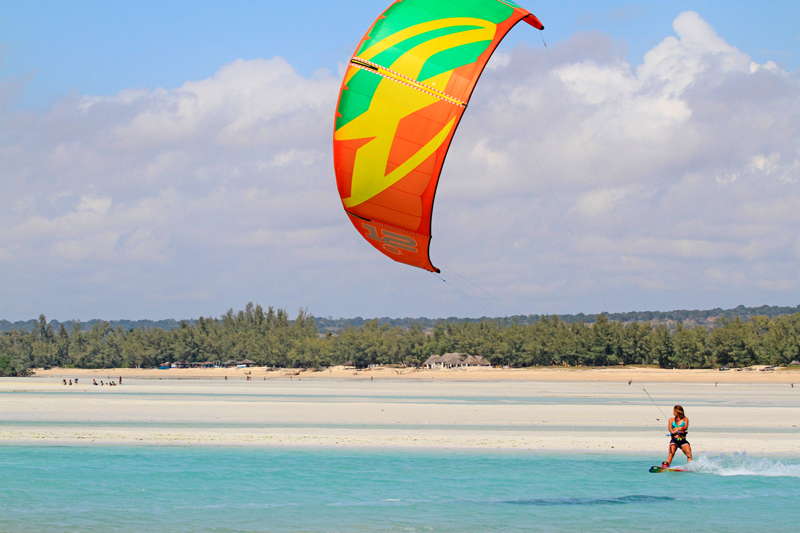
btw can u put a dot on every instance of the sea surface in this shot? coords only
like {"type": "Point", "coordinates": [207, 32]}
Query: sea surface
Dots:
{"type": "Point", "coordinates": [244, 489]}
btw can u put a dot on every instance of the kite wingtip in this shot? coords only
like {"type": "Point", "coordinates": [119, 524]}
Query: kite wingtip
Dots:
{"type": "Point", "coordinates": [533, 21]}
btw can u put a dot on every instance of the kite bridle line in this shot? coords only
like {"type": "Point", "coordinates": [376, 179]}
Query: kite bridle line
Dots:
{"type": "Point", "coordinates": [549, 187]}
{"type": "Point", "coordinates": [462, 292]}
{"type": "Point", "coordinates": [654, 403]}
{"type": "Point", "coordinates": [552, 195]}
{"type": "Point", "coordinates": [602, 188]}
{"type": "Point", "coordinates": [634, 409]}
{"type": "Point", "coordinates": [596, 174]}
{"type": "Point", "coordinates": [449, 268]}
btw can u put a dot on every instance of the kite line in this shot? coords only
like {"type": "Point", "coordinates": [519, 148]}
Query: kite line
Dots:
{"type": "Point", "coordinates": [596, 174]}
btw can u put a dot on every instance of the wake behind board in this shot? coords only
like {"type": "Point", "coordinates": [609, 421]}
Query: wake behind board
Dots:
{"type": "Point", "coordinates": [659, 469]}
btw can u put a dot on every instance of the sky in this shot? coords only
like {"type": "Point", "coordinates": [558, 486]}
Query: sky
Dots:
{"type": "Point", "coordinates": [173, 159]}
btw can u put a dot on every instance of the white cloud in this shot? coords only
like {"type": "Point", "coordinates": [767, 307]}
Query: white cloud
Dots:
{"type": "Point", "coordinates": [191, 200]}
{"type": "Point", "coordinates": [95, 246]}
{"type": "Point", "coordinates": [696, 148]}
{"type": "Point", "coordinates": [99, 206]}
{"type": "Point", "coordinates": [292, 157]}
{"type": "Point", "coordinates": [484, 154]}
{"type": "Point", "coordinates": [598, 202]}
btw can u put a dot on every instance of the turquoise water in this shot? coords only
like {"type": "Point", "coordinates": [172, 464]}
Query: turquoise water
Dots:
{"type": "Point", "coordinates": [183, 489]}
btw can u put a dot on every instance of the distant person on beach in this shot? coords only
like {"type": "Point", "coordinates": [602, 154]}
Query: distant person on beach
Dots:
{"type": "Point", "coordinates": [76, 381]}
{"type": "Point", "coordinates": [65, 381]}
{"type": "Point", "coordinates": [120, 380]}
{"type": "Point", "coordinates": [94, 382]}
{"type": "Point", "coordinates": [678, 427]}
{"type": "Point", "coordinates": [70, 383]}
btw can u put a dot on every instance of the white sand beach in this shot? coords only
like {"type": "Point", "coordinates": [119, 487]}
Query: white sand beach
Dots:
{"type": "Point", "coordinates": [551, 410]}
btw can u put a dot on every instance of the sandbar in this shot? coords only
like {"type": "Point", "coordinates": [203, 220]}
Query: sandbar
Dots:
{"type": "Point", "coordinates": [588, 410]}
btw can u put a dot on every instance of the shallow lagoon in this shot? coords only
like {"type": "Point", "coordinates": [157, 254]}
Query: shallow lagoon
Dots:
{"type": "Point", "coordinates": [237, 489]}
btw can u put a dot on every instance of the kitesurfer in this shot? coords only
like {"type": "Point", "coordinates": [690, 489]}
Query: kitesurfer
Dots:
{"type": "Point", "coordinates": [678, 427]}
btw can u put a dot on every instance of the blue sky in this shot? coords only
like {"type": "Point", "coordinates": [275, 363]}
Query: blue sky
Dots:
{"type": "Point", "coordinates": [101, 48]}
{"type": "Point", "coordinates": [173, 159]}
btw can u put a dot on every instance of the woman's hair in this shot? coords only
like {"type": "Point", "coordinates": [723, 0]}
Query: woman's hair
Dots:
{"type": "Point", "coordinates": [679, 409]}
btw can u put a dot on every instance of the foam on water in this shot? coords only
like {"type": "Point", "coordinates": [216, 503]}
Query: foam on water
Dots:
{"type": "Point", "coordinates": [739, 464]}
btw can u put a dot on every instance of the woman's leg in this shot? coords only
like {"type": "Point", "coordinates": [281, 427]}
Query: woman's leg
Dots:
{"type": "Point", "coordinates": [672, 449]}
{"type": "Point", "coordinates": [687, 449]}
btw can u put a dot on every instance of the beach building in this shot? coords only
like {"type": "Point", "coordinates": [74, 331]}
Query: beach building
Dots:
{"type": "Point", "coordinates": [451, 360]}
{"type": "Point", "coordinates": [476, 360]}
{"type": "Point", "coordinates": [246, 362]}
{"type": "Point", "coordinates": [431, 361]}
{"type": "Point", "coordinates": [200, 364]}
{"type": "Point", "coordinates": [454, 360]}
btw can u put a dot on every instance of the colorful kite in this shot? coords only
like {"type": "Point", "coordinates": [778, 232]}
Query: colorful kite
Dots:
{"type": "Point", "coordinates": [402, 97]}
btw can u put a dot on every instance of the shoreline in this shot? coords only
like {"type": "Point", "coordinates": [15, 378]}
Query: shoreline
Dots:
{"type": "Point", "coordinates": [610, 374]}
{"type": "Point", "coordinates": [678, 461]}
{"type": "Point", "coordinates": [382, 444]}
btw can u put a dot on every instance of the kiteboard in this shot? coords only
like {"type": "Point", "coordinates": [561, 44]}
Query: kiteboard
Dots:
{"type": "Point", "coordinates": [659, 469]}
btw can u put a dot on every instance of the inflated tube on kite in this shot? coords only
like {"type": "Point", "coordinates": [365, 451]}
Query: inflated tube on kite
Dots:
{"type": "Point", "coordinates": [402, 97]}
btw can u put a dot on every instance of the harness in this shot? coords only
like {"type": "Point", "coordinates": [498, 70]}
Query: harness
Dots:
{"type": "Point", "coordinates": [679, 437]}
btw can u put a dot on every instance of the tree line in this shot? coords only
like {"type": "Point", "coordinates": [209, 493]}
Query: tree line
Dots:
{"type": "Point", "coordinates": [707, 317]}
{"type": "Point", "coordinates": [270, 337]}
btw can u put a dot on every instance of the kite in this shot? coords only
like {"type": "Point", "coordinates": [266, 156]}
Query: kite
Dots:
{"type": "Point", "coordinates": [402, 97]}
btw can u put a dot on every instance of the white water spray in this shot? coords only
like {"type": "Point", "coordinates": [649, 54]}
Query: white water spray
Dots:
{"type": "Point", "coordinates": [739, 464]}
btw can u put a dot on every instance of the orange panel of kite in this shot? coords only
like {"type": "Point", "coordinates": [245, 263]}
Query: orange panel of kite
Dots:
{"type": "Point", "coordinates": [401, 100]}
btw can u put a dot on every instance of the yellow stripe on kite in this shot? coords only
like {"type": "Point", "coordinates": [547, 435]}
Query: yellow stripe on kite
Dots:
{"type": "Point", "coordinates": [400, 172]}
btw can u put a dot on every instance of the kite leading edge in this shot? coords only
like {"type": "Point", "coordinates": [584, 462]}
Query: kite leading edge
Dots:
{"type": "Point", "coordinates": [403, 95]}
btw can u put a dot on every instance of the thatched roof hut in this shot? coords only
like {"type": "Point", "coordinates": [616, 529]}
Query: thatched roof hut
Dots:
{"type": "Point", "coordinates": [476, 360]}
{"type": "Point", "coordinates": [449, 360]}
{"type": "Point", "coordinates": [431, 361]}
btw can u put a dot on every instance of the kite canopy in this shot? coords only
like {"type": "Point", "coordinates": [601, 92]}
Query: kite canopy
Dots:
{"type": "Point", "coordinates": [402, 97]}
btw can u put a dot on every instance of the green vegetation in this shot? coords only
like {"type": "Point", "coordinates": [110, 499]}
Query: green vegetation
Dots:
{"type": "Point", "coordinates": [708, 317]}
{"type": "Point", "coordinates": [271, 338]}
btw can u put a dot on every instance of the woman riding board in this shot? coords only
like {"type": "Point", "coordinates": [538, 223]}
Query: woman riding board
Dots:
{"type": "Point", "coordinates": [678, 427]}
